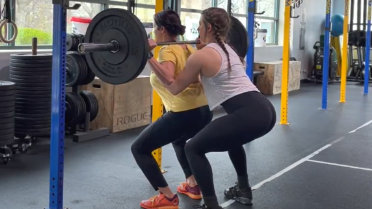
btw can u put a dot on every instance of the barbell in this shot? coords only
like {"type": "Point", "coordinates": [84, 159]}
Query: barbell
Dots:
{"type": "Point", "coordinates": [116, 45]}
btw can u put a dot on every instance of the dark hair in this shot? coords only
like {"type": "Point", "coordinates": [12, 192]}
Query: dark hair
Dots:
{"type": "Point", "coordinates": [170, 20]}
{"type": "Point", "coordinates": [220, 22]}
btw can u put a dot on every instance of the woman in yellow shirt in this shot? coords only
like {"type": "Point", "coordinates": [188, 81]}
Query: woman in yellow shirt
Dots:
{"type": "Point", "coordinates": [187, 113]}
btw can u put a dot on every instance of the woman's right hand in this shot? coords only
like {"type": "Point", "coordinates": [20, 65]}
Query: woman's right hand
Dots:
{"type": "Point", "coordinates": [152, 44]}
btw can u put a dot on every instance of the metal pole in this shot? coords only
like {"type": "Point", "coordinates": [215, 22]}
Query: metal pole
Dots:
{"type": "Point", "coordinates": [57, 131]}
{"type": "Point", "coordinates": [368, 48]}
{"type": "Point", "coordinates": [157, 104]}
{"type": "Point", "coordinates": [285, 66]}
{"type": "Point", "coordinates": [344, 54]}
{"type": "Point", "coordinates": [250, 25]}
{"type": "Point", "coordinates": [326, 54]}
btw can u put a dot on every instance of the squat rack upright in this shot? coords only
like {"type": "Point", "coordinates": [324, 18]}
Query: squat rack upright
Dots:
{"type": "Point", "coordinates": [57, 130]}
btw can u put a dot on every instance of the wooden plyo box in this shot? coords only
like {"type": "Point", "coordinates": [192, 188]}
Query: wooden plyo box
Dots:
{"type": "Point", "coordinates": [122, 107]}
{"type": "Point", "coordinates": [270, 82]}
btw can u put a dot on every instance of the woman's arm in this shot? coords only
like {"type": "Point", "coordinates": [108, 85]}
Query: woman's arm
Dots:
{"type": "Point", "coordinates": [190, 74]}
{"type": "Point", "coordinates": [164, 71]}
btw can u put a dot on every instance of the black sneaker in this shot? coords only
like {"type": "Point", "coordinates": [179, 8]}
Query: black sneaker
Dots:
{"type": "Point", "coordinates": [204, 206]}
{"type": "Point", "coordinates": [236, 194]}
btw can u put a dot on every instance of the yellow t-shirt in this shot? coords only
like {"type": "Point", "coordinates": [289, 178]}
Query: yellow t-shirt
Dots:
{"type": "Point", "coordinates": [190, 98]}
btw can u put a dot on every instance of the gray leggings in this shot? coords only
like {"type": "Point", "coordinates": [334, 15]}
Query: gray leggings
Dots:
{"type": "Point", "coordinates": [249, 116]}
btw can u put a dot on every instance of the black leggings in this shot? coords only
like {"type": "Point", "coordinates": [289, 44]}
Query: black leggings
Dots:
{"type": "Point", "coordinates": [175, 127]}
{"type": "Point", "coordinates": [249, 116]}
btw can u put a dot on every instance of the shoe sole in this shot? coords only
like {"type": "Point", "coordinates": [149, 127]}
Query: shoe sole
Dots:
{"type": "Point", "coordinates": [241, 200]}
{"type": "Point", "coordinates": [163, 207]}
{"type": "Point", "coordinates": [192, 196]}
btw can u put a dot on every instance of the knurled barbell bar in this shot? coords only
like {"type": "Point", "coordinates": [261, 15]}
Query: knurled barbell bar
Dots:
{"type": "Point", "coordinates": [116, 45]}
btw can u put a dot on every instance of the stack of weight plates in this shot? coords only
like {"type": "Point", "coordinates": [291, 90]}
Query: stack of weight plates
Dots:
{"type": "Point", "coordinates": [7, 92]}
{"type": "Point", "coordinates": [32, 75]}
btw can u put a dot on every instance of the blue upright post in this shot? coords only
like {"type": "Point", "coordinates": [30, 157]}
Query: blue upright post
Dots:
{"type": "Point", "coordinates": [368, 47]}
{"type": "Point", "coordinates": [250, 25]}
{"type": "Point", "coordinates": [326, 54]}
{"type": "Point", "coordinates": [57, 131]}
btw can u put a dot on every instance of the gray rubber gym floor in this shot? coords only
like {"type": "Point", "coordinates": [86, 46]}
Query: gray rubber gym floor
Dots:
{"type": "Point", "coordinates": [322, 160]}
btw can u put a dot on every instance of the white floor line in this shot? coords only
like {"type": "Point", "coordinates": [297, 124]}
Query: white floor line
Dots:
{"type": "Point", "coordinates": [285, 170]}
{"type": "Point", "coordinates": [364, 125]}
{"type": "Point", "coordinates": [340, 165]}
{"type": "Point", "coordinates": [307, 158]}
{"type": "Point", "coordinates": [227, 203]}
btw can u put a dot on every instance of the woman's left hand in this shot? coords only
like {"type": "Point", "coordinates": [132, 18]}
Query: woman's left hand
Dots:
{"type": "Point", "coordinates": [152, 44]}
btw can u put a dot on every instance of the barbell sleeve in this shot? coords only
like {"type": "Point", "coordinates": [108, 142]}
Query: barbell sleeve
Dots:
{"type": "Point", "coordinates": [93, 47]}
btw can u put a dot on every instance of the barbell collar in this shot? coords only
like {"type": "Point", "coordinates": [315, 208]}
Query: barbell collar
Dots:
{"type": "Point", "coordinates": [112, 46]}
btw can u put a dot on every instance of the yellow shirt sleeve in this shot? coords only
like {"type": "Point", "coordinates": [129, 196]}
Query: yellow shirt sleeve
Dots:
{"type": "Point", "coordinates": [166, 54]}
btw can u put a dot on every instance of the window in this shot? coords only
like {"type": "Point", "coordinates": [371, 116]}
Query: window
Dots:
{"type": "Point", "coordinates": [190, 15]}
{"type": "Point", "coordinates": [86, 10]}
{"type": "Point", "coordinates": [33, 19]}
{"type": "Point", "coordinates": [269, 20]}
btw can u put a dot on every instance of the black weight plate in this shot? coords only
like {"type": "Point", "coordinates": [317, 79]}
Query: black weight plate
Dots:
{"type": "Point", "coordinates": [46, 56]}
{"type": "Point", "coordinates": [34, 65]}
{"type": "Point", "coordinates": [6, 126]}
{"type": "Point", "coordinates": [73, 109]}
{"type": "Point", "coordinates": [27, 122]}
{"type": "Point", "coordinates": [30, 73]}
{"type": "Point", "coordinates": [125, 28]}
{"type": "Point", "coordinates": [7, 115]}
{"type": "Point", "coordinates": [32, 102]}
{"type": "Point", "coordinates": [90, 77]}
{"type": "Point", "coordinates": [91, 103]}
{"type": "Point", "coordinates": [6, 104]}
{"type": "Point", "coordinates": [7, 109]}
{"type": "Point", "coordinates": [25, 88]}
{"type": "Point", "coordinates": [33, 92]}
{"type": "Point", "coordinates": [33, 127]}
{"type": "Point", "coordinates": [32, 85]}
{"type": "Point", "coordinates": [37, 98]}
{"type": "Point", "coordinates": [237, 37]}
{"type": "Point", "coordinates": [7, 98]}
{"type": "Point", "coordinates": [69, 42]}
{"type": "Point", "coordinates": [33, 107]}
{"type": "Point", "coordinates": [72, 69]}
{"type": "Point", "coordinates": [83, 70]}
{"type": "Point", "coordinates": [31, 61]}
{"type": "Point", "coordinates": [6, 85]}
{"type": "Point", "coordinates": [30, 79]}
{"type": "Point", "coordinates": [29, 111]}
{"type": "Point", "coordinates": [37, 70]}
{"type": "Point", "coordinates": [6, 92]}
{"type": "Point", "coordinates": [7, 123]}
{"type": "Point", "coordinates": [43, 115]}
{"type": "Point", "coordinates": [7, 139]}
{"type": "Point", "coordinates": [6, 131]}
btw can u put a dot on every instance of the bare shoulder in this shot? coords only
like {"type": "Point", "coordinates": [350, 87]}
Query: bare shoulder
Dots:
{"type": "Point", "coordinates": [203, 53]}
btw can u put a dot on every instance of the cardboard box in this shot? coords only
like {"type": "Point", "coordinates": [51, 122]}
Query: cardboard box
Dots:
{"type": "Point", "coordinates": [122, 107]}
{"type": "Point", "coordinates": [270, 82]}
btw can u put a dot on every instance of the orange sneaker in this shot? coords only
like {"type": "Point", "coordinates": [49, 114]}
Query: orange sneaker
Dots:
{"type": "Point", "coordinates": [160, 202]}
{"type": "Point", "coordinates": [192, 192]}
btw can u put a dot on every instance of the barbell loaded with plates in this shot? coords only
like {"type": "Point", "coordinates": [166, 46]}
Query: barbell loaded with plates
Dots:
{"type": "Point", "coordinates": [116, 45]}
